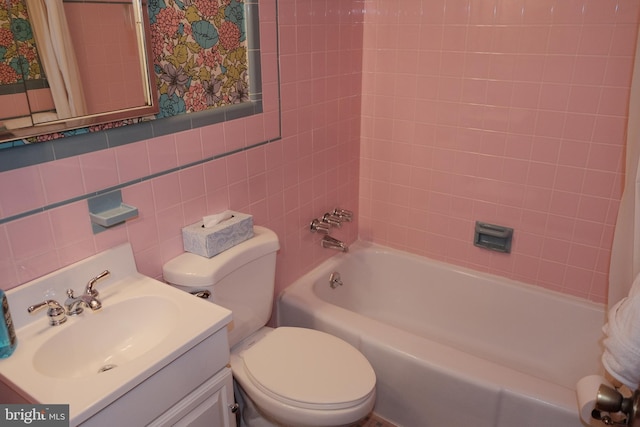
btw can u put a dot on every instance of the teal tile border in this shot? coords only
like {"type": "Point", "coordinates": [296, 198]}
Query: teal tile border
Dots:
{"type": "Point", "coordinates": [133, 182]}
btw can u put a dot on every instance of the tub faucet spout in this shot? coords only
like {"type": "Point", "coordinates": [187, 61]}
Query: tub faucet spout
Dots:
{"type": "Point", "coordinates": [331, 243]}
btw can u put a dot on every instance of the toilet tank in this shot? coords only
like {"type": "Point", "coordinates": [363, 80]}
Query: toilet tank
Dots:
{"type": "Point", "coordinates": [241, 279]}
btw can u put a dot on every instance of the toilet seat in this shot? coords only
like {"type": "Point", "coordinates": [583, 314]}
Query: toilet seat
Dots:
{"type": "Point", "coordinates": [308, 369]}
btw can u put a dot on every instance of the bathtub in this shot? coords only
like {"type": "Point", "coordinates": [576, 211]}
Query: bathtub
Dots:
{"type": "Point", "coordinates": [450, 346]}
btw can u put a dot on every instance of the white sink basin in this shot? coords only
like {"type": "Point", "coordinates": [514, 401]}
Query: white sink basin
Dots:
{"type": "Point", "coordinates": [96, 357]}
{"type": "Point", "coordinates": [108, 338]}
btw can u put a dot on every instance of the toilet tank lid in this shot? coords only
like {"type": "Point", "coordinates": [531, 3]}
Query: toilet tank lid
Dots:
{"type": "Point", "coordinates": [194, 270]}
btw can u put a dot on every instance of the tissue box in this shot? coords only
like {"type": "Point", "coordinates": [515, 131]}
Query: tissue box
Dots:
{"type": "Point", "coordinates": [213, 240]}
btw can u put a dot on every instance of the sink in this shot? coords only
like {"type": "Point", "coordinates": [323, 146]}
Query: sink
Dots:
{"type": "Point", "coordinates": [108, 338]}
{"type": "Point", "coordinates": [95, 358]}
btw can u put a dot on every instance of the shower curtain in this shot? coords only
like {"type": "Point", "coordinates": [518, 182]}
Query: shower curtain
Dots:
{"type": "Point", "coordinates": [58, 57]}
{"type": "Point", "coordinates": [625, 253]}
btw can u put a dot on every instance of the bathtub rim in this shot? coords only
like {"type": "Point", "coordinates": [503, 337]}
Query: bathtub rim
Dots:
{"type": "Point", "coordinates": [360, 245]}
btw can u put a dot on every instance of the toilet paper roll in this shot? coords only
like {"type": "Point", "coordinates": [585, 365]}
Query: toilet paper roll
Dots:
{"type": "Point", "coordinates": [587, 391]}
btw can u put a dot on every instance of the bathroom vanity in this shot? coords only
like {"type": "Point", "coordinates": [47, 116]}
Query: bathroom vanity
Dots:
{"type": "Point", "coordinates": [151, 355]}
{"type": "Point", "coordinates": [176, 395]}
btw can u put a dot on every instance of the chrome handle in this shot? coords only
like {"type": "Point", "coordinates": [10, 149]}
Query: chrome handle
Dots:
{"type": "Point", "coordinates": [89, 289]}
{"type": "Point", "coordinates": [344, 214]}
{"type": "Point", "coordinates": [318, 226]}
{"type": "Point", "coordinates": [332, 220]}
{"type": "Point", "coordinates": [55, 312]}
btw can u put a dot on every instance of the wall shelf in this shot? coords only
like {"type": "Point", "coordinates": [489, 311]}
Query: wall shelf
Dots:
{"type": "Point", "coordinates": [107, 210]}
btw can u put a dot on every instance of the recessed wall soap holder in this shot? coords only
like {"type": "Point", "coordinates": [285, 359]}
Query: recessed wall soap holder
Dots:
{"type": "Point", "coordinates": [107, 210]}
{"type": "Point", "coordinates": [493, 237]}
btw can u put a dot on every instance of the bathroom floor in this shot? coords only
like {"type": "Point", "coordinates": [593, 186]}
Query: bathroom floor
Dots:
{"type": "Point", "coordinates": [375, 421]}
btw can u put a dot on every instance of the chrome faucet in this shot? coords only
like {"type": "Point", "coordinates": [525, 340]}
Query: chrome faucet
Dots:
{"type": "Point", "coordinates": [75, 305]}
{"type": "Point", "coordinates": [326, 223]}
{"type": "Point", "coordinates": [344, 215]}
{"type": "Point", "coordinates": [332, 243]}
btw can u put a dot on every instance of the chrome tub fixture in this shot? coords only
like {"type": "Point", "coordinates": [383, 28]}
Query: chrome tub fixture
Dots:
{"type": "Point", "coordinates": [329, 242]}
{"type": "Point", "coordinates": [328, 221]}
{"type": "Point", "coordinates": [335, 280]}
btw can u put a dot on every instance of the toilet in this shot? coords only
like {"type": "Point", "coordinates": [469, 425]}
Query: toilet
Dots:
{"type": "Point", "coordinates": [284, 376]}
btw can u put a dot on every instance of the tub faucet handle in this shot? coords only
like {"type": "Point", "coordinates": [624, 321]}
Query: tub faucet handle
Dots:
{"type": "Point", "coordinates": [318, 226]}
{"type": "Point", "coordinates": [332, 220]}
{"type": "Point", "coordinates": [344, 214]}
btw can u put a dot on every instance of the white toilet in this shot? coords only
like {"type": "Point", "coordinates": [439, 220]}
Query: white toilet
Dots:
{"type": "Point", "coordinates": [287, 376]}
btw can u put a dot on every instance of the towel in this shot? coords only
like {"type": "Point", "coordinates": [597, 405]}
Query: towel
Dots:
{"type": "Point", "coordinates": [621, 356]}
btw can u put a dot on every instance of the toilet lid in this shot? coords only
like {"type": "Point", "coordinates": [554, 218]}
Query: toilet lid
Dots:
{"type": "Point", "coordinates": [309, 369]}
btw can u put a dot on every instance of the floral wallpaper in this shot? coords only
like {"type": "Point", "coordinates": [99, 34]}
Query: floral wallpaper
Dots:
{"type": "Point", "coordinates": [199, 54]}
{"type": "Point", "coordinates": [18, 55]}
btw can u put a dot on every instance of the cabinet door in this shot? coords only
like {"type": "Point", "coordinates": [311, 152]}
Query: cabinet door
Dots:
{"type": "Point", "coordinates": [207, 406]}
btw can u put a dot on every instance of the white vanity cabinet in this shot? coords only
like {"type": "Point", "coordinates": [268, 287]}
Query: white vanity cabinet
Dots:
{"type": "Point", "coordinates": [177, 395]}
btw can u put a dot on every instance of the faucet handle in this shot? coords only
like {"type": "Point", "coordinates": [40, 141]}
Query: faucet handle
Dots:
{"type": "Point", "coordinates": [89, 289]}
{"type": "Point", "coordinates": [333, 220]}
{"type": "Point", "coordinates": [318, 226]}
{"type": "Point", "coordinates": [55, 312]}
{"type": "Point", "coordinates": [343, 214]}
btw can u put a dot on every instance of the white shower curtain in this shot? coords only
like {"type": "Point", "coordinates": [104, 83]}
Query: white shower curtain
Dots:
{"type": "Point", "coordinates": [625, 253]}
{"type": "Point", "coordinates": [58, 57]}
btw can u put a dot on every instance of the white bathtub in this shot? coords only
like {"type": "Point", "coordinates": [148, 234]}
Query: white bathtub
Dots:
{"type": "Point", "coordinates": [450, 346]}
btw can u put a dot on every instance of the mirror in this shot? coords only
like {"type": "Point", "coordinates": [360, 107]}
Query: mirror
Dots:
{"type": "Point", "coordinates": [97, 70]}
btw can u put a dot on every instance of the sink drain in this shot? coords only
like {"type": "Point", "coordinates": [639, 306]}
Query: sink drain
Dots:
{"type": "Point", "coordinates": [106, 368]}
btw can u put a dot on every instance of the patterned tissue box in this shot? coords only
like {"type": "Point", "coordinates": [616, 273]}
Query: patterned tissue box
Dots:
{"type": "Point", "coordinates": [211, 241]}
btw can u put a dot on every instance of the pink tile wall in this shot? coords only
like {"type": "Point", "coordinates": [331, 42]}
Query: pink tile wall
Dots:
{"type": "Point", "coordinates": [509, 112]}
{"type": "Point", "coordinates": [320, 75]}
{"type": "Point", "coordinates": [284, 184]}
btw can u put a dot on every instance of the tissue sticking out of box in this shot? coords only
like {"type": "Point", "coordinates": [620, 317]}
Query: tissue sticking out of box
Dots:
{"type": "Point", "coordinates": [210, 241]}
{"type": "Point", "coordinates": [211, 220]}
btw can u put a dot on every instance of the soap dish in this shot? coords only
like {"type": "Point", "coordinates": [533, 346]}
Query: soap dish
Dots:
{"type": "Point", "coordinates": [114, 216]}
{"type": "Point", "coordinates": [107, 210]}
